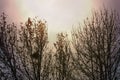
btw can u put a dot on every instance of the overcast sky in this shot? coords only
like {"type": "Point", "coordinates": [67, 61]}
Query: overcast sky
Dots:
{"type": "Point", "coordinates": [60, 15]}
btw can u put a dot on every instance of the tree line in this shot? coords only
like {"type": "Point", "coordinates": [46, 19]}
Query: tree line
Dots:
{"type": "Point", "coordinates": [92, 54]}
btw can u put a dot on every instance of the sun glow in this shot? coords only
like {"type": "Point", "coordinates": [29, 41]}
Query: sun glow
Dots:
{"type": "Point", "coordinates": [59, 14]}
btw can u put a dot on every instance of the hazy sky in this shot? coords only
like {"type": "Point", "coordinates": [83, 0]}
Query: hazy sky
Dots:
{"type": "Point", "coordinates": [60, 15]}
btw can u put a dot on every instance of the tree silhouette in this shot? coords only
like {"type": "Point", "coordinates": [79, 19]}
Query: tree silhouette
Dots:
{"type": "Point", "coordinates": [9, 68]}
{"type": "Point", "coordinates": [97, 46]}
{"type": "Point", "coordinates": [63, 58]}
{"type": "Point", "coordinates": [32, 48]}
{"type": "Point", "coordinates": [93, 54]}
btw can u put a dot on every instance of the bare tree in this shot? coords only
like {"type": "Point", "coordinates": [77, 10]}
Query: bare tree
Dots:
{"type": "Point", "coordinates": [9, 69]}
{"type": "Point", "coordinates": [33, 50]}
{"type": "Point", "coordinates": [63, 66]}
{"type": "Point", "coordinates": [97, 46]}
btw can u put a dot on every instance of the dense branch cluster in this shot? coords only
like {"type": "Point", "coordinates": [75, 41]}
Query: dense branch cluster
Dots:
{"type": "Point", "coordinates": [92, 54]}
